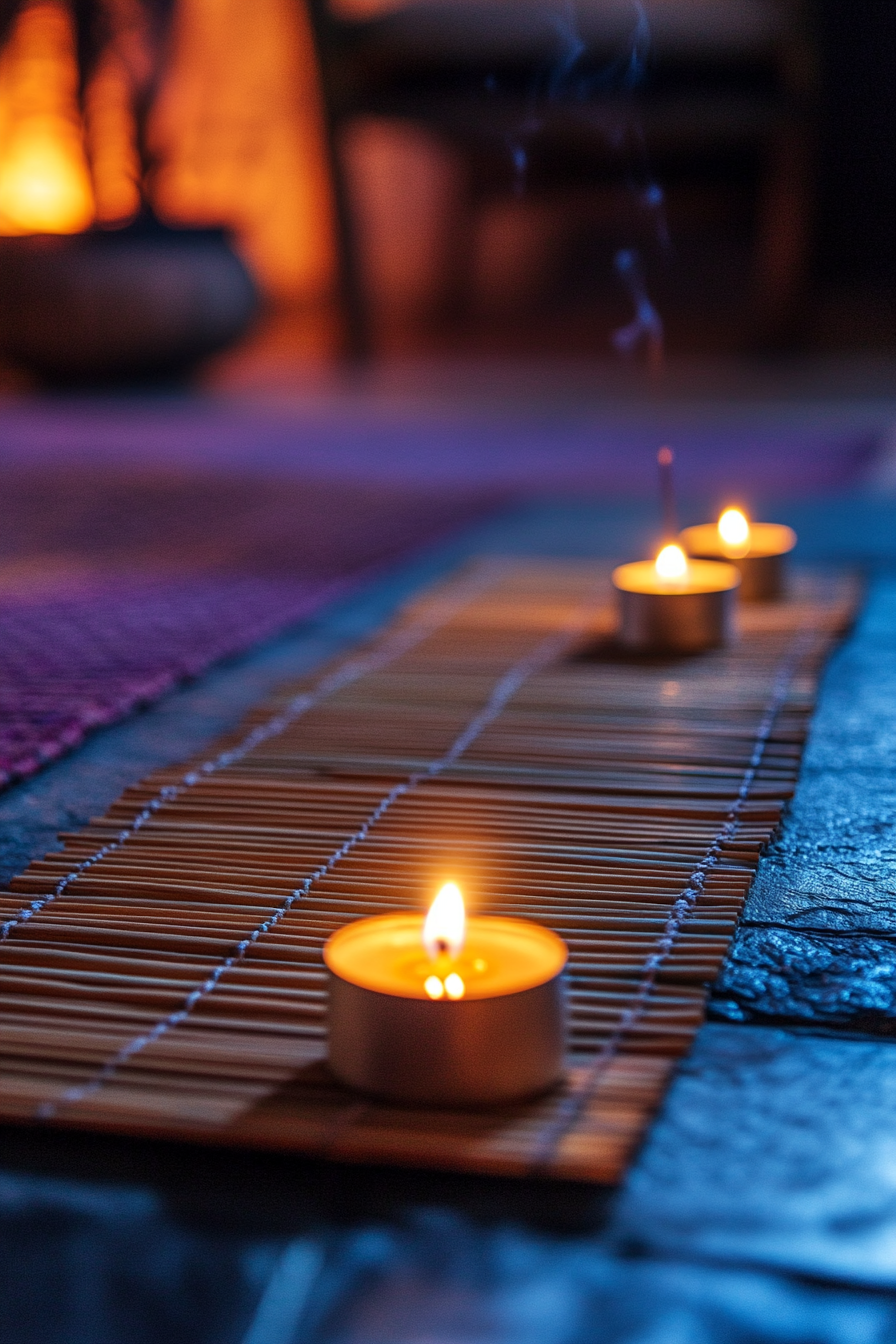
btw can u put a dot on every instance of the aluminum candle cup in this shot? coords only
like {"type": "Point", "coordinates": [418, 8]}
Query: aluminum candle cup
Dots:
{"type": "Point", "coordinates": [760, 560]}
{"type": "Point", "coordinates": [501, 1039]}
{"type": "Point", "coordinates": [686, 615]}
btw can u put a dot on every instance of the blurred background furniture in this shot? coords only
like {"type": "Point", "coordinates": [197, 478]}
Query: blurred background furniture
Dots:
{"type": "Point", "coordinates": [496, 155]}
{"type": "Point", "coordinates": [130, 134]}
{"type": "Point", "coordinates": [483, 177]}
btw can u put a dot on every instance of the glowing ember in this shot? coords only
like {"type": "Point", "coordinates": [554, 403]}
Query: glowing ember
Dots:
{"type": "Point", "coordinates": [671, 563]}
{"type": "Point", "coordinates": [444, 929]}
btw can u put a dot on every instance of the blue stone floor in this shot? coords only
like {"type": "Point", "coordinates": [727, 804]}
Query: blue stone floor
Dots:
{"type": "Point", "coordinates": [762, 1206]}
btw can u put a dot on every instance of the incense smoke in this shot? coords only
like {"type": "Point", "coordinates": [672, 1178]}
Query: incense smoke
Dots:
{"type": "Point", "coordinates": [646, 327]}
{"type": "Point", "coordinates": [567, 81]}
{"type": "Point", "coordinates": [564, 81]}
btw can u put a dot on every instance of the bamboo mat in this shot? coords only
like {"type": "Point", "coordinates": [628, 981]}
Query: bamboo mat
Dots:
{"type": "Point", "coordinates": [162, 974]}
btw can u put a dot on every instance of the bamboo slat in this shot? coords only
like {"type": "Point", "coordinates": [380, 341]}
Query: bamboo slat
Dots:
{"type": "Point", "coordinates": [161, 974]}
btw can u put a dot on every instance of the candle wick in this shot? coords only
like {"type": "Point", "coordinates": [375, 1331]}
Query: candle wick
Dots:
{"type": "Point", "coordinates": [441, 946]}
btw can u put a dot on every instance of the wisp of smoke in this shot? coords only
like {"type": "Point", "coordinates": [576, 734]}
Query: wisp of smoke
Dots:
{"type": "Point", "coordinates": [646, 328]}
{"type": "Point", "coordinates": [567, 81]}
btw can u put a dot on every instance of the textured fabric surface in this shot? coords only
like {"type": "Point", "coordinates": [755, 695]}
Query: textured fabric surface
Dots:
{"type": "Point", "coordinates": [115, 584]}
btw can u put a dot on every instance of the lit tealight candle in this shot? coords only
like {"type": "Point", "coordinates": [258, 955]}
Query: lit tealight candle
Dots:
{"type": "Point", "coordinates": [757, 549]}
{"type": "Point", "coordinates": [446, 1010]}
{"type": "Point", "coordinates": [673, 604]}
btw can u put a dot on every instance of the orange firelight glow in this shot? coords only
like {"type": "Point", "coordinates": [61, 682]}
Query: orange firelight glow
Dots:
{"type": "Point", "coordinates": [235, 136]}
{"type": "Point", "coordinates": [45, 185]}
{"type": "Point", "coordinates": [239, 136]}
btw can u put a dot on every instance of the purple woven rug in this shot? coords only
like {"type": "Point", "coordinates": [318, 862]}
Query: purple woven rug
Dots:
{"type": "Point", "coordinates": [142, 539]}
{"type": "Point", "coordinates": [115, 585]}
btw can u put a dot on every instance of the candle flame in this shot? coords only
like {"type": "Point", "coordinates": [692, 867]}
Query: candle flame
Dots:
{"type": "Point", "coordinates": [433, 986]}
{"type": "Point", "coordinates": [445, 926]}
{"type": "Point", "coordinates": [671, 563]}
{"type": "Point", "coordinates": [734, 530]}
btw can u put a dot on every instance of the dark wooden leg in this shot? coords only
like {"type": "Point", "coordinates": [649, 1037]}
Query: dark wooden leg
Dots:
{"type": "Point", "coordinates": [357, 344]}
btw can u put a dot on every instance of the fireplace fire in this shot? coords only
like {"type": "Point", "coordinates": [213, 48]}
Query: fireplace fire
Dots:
{"type": "Point", "coordinates": [234, 132]}
{"type": "Point", "coordinates": [45, 183]}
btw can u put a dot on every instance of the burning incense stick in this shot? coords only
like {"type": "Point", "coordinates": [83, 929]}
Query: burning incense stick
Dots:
{"type": "Point", "coordinates": [665, 458]}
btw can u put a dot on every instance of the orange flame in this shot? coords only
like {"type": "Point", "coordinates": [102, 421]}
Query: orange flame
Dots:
{"type": "Point", "coordinates": [444, 929]}
{"type": "Point", "coordinates": [671, 564]}
{"type": "Point", "coordinates": [734, 530]}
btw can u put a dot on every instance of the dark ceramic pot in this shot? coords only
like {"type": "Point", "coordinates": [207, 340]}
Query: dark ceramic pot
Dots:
{"type": "Point", "coordinates": [142, 302]}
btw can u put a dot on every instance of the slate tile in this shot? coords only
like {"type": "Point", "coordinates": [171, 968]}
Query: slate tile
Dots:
{"type": "Point", "coordinates": [778, 975]}
{"type": "Point", "coordinates": [773, 1149]}
{"type": "Point", "coordinates": [113, 1263]}
{"type": "Point", "coordinates": [817, 943]}
{"type": "Point", "coordinates": [839, 872]}
{"type": "Point", "coordinates": [87, 1263]}
{"type": "Point", "coordinates": [443, 1281]}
